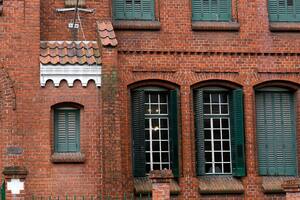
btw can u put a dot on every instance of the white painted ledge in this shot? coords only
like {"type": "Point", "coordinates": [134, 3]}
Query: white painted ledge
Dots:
{"type": "Point", "coordinates": [70, 73]}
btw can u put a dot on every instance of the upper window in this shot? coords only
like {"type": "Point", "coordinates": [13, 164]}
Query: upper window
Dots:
{"type": "Point", "coordinates": [67, 129]}
{"type": "Point", "coordinates": [133, 9]}
{"type": "Point", "coordinates": [275, 121]}
{"type": "Point", "coordinates": [211, 10]}
{"type": "Point", "coordinates": [219, 131]}
{"type": "Point", "coordinates": [154, 127]}
{"type": "Point", "coordinates": [284, 10]}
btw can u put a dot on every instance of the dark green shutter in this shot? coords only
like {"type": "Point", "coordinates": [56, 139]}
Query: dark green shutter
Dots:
{"type": "Point", "coordinates": [67, 128]}
{"type": "Point", "coordinates": [138, 133]}
{"type": "Point", "coordinates": [3, 196]}
{"type": "Point", "coordinates": [119, 9]}
{"type": "Point", "coordinates": [133, 10]}
{"type": "Point", "coordinates": [281, 10]}
{"type": "Point", "coordinates": [211, 10]}
{"type": "Point", "coordinates": [276, 133]}
{"type": "Point", "coordinates": [237, 133]}
{"type": "Point", "coordinates": [173, 105]}
{"type": "Point", "coordinates": [198, 116]}
{"type": "Point", "coordinates": [147, 10]}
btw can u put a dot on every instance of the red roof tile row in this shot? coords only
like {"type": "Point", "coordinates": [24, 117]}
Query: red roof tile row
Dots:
{"type": "Point", "coordinates": [69, 52]}
{"type": "Point", "coordinates": [106, 33]}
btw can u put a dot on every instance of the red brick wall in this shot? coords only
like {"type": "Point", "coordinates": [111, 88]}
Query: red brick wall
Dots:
{"type": "Point", "coordinates": [174, 53]}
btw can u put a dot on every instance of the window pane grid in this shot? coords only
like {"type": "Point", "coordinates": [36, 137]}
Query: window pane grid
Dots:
{"type": "Point", "coordinates": [217, 134]}
{"type": "Point", "coordinates": [157, 132]}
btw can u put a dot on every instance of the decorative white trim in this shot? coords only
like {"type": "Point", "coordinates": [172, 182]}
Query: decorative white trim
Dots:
{"type": "Point", "coordinates": [69, 42]}
{"type": "Point", "coordinates": [15, 186]}
{"type": "Point", "coordinates": [70, 73]}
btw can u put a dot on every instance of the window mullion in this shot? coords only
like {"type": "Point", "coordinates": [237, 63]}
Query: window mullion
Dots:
{"type": "Point", "coordinates": [212, 145]}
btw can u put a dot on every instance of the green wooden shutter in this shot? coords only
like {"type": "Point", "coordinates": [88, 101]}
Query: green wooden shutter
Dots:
{"type": "Point", "coordinates": [284, 10]}
{"type": "Point", "coordinates": [211, 10]}
{"type": "Point", "coordinates": [276, 133]}
{"type": "Point", "coordinates": [133, 9]}
{"type": "Point", "coordinates": [198, 116]}
{"type": "Point", "coordinates": [3, 195]}
{"type": "Point", "coordinates": [173, 116]}
{"type": "Point", "coordinates": [138, 133]}
{"type": "Point", "coordinates": [237, 133]}
{"type": "Point", "coordinates": [118, 9]}
{"type": "Point", "coordinates": [67, 128]}
{"type": "Point", "coordinates": [73, 130]}
{"type": "Point", "coordinates": [147, 10]}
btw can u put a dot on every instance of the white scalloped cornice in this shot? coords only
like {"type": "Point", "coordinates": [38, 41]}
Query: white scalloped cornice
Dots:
{"type": "Point", "coordinates": [70, 73]}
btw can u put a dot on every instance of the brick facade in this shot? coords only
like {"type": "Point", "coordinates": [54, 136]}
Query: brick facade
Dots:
{"type": "Point", "coordinates": [172, 54]}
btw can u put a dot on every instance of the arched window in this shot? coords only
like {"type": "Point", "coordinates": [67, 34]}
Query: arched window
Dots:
{"type": "Point", "coordinates": [154, 128]}
{"type": "Point", "coordinates": [219, 131]}
{"type": "Point", "coordinates": [276, 131]}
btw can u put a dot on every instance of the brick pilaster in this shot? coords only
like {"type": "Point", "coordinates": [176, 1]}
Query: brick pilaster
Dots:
{"type": "Point", "coordinates": [161, 180]}
{"type": "Point", "coordinates": [18, 175]}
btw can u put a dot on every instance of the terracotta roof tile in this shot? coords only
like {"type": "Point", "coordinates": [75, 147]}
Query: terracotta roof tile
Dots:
{"type": "Point", "coordinates": [68, 52]}
{"type": "Point", "coordinates": [106, 33]}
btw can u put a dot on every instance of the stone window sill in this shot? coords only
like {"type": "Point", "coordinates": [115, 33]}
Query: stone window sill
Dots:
{"type": "Point", "coordinates": [220, 185]}
{"type": "Point", "coordinates": [68, 157]}
{"type": "Point", "coordinates": [136, 25]}
{"type": "Point", "coordinates": [284, 26]}
{"type": "Point", "coordinates": [215, 26]}
{"type": "Point", "coordinates": [273, 184]}
{"type": "Point", "coordinates": [143, 186]}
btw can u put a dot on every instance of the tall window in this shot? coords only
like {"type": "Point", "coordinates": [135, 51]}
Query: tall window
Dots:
{"type": "Point", "coordinates": [154, 127]}
{"type": "Point", "coordinates": [275, 121]}
{"type": "Point", "coordinates": [133, 9]}
{"type": "Point", "coordinates": [284, 10]}
{"type": "Point", "coordinates": [67, 130]}
{"type": "Point", "coordinates": [211, 10]}
{"type": "Point", "coordinates": [219, 131]}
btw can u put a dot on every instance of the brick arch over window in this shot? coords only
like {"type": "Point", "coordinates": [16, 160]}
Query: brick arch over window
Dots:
{"type": "Point", "coordinates": [278, 83]}
{"type": "Point", "coordinates": [153, 82]}
{"type": "Point", "coordinates": [218, 83]}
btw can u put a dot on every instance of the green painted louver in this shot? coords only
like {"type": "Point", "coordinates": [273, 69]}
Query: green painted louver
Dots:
{"type": "Point", "coordinates": [67, 130]}
{"type": "Point", "coordinates": [133, 9]}
{"type": "Point", "coordinates": [211, 10]}
{"type": "Point", "coordinates": [284, 10]}
{"type": "Point", "coordinates": [198, 111]}
{"type": "Point", "coordinates": [138, 133]}
{"type": "Point", "coordinates": [276, 133]}
{"type": "Point", "coordinates": [173, 105]}
{"type": "Point", "coordinates": [237, 133]}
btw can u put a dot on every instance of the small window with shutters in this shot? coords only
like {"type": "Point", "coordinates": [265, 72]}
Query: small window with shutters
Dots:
{"type": "Point", "coordinates": [276, 132]}
{"type": "Point", "coordinates": [284, 10]}
{"type": "Point", "coordinates": [211, 10]}
{"type": "Point", "coordinates": [219, 131]}
{"type": "Point", "coordinates": [133, 9]}
{"type": "Point", "coordinates": [154, 130]}
{"type": "Point", "coordinates": [66, 130]}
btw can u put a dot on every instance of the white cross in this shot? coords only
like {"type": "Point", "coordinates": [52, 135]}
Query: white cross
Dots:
{"type": "Point", "coordinates": [15, 186]}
